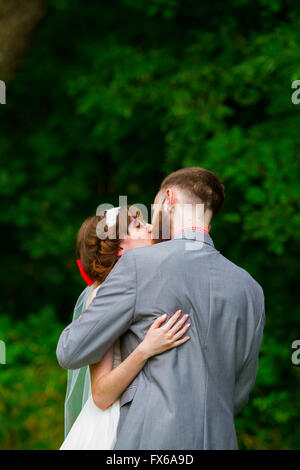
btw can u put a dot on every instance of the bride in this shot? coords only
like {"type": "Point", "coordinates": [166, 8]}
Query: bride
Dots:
{"type": "Point", "coordinates": [92, 406]}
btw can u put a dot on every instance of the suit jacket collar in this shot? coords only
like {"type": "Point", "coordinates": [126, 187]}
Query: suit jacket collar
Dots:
{"type": "Point", "coordinates": [194, 235]}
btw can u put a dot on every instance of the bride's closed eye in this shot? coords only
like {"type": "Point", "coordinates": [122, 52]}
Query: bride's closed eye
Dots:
{"type": "Point", "coordinates": [138, 224]}
{"type": "Point", "coordinates": [140, 232]}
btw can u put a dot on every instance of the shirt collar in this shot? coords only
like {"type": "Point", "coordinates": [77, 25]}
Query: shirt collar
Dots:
{"type": "Point", "coordinates": [194, 233]}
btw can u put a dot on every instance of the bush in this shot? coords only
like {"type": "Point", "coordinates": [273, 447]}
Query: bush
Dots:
{"type": "Point", "coordinates": [32, 385]}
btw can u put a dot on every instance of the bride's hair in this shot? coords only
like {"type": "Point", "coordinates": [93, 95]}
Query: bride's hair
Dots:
{"type": "Point", "coordinates": [99, 256]}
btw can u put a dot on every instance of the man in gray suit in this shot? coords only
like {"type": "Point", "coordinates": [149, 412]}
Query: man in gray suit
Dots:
{"type": "Point", "coordinates": [186, 397]}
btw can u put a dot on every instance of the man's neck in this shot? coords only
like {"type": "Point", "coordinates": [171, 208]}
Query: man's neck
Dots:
{"type": "Point", "coordinates": [197, 227]}
{"type": "Point", "coordinates": [189, 216]}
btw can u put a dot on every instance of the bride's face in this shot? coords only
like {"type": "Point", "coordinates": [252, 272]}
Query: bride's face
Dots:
{"type": "Point", "coordinates": [139, 234]}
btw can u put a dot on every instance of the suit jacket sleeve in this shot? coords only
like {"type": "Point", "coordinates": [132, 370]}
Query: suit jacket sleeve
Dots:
{"type": "Point", "coordinates": [246, 378]}
{"type": "Point", "coordinates": [87, 339]}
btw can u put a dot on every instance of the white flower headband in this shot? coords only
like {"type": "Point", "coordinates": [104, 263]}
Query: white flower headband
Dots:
{"type": "Point", "coordinates": [111, 216]}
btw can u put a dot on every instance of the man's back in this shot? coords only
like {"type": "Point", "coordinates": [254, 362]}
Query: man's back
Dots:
{"type": "Point", "coordinates": [186, 397]}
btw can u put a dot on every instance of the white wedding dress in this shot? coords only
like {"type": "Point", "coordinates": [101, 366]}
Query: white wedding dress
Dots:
{"type": "Point", "coordinates": [95, 429]}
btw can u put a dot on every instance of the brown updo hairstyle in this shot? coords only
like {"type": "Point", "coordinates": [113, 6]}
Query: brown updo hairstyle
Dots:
{"type": "Point", "coordinates": [98, 256]}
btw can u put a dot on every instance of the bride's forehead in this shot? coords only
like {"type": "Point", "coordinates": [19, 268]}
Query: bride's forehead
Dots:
{"type": "Point", "coordinates": [134, 212]}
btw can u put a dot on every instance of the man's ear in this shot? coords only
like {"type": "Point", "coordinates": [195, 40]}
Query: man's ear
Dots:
{"type": "Point", "coordinates": [170, 199]}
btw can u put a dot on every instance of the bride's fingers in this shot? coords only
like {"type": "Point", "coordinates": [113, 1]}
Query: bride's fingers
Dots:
{"type": "Point", "coordinates": [178, 324]}
{"type": "Point", "coordinates": [159, 320]}
{"type": "Point", "coordinates": [181, 341]}
{"type": "Point", "coordinates": [172, 320]}
{"type": "Point", "coordinates": [181, 332]}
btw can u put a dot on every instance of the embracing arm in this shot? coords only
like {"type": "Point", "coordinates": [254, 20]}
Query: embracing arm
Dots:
{"type": "Point", "coordinates": [87, 339]}
{"type": "Point", "coordinates": [108, 383]}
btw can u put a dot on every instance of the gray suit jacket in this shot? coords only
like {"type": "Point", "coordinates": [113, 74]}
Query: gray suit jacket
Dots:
{"type": "Point", "coordinates": [186, 397]}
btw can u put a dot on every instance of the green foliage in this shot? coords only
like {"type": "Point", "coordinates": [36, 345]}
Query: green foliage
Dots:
{"type": "Point", "coordinates": [109, 98]}
{"type": "Point", "coordinates": [32, 385]}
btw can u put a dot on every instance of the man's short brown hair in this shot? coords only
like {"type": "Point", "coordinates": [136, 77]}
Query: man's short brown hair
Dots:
{"type": "Point", "coordinates": [199, 185]}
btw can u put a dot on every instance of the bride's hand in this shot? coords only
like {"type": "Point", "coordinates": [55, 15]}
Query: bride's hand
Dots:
{"type": "Point", "coordinates": [161, 338]}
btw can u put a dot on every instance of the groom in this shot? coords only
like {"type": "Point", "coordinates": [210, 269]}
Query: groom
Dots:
{"type": "Point", "coordinates": [186, 397]}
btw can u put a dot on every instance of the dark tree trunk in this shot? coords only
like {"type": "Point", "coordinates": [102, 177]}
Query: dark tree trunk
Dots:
{"type": "Point", "coordinates": [18, 19]}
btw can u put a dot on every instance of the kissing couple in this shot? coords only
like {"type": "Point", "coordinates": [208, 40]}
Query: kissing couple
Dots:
{"type": "Point", "coordinates": [163, 348]}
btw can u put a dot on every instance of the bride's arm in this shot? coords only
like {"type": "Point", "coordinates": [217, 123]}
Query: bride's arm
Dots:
{"type": "Point", "coordinates": [108, 383]}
